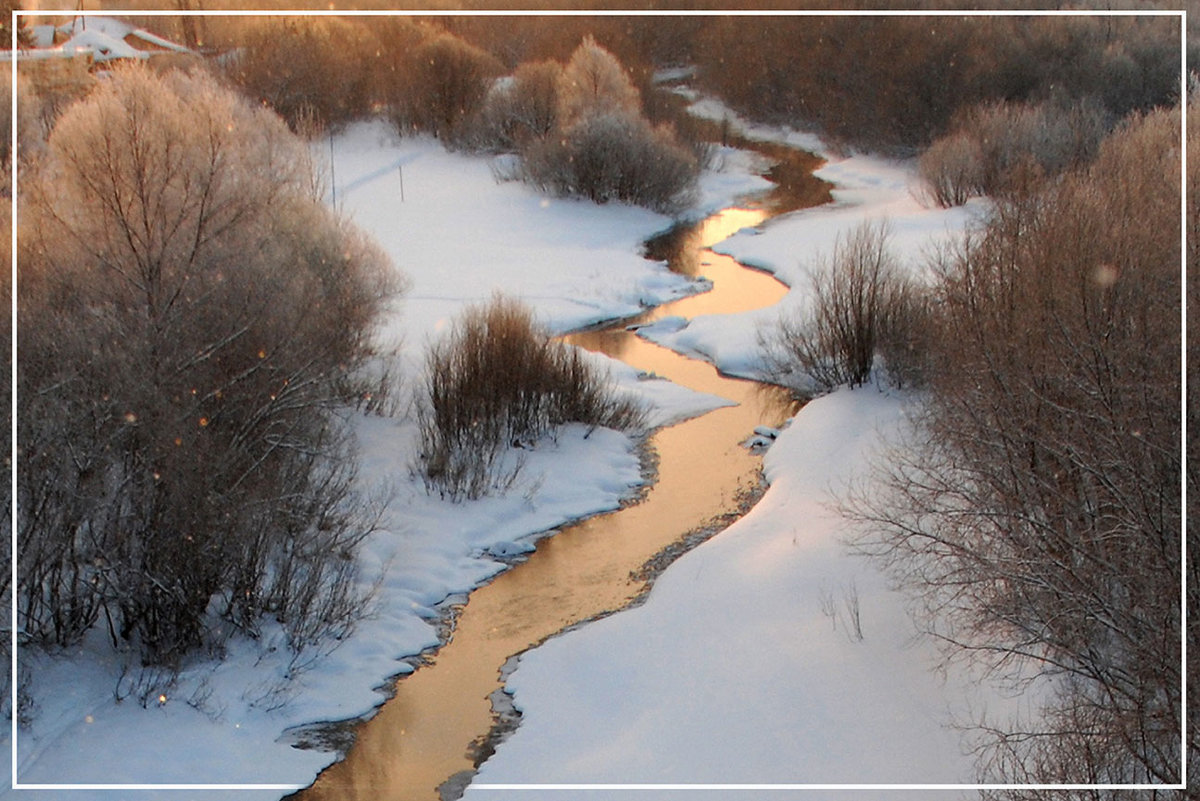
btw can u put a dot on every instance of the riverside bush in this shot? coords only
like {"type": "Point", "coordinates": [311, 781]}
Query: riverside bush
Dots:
{"type": "Point", "coordinates": [499, 382]}
{"type": "Point", "coordinates": [1034, 511]}
{"type": "Point", "coordinates": [614, 157]}
{"type": "Point", "coordinates": [992, 146]}
{"type": "Point", "coordinates": [860, 306]}
{"type": "Point", "coordinates": [192, 320]}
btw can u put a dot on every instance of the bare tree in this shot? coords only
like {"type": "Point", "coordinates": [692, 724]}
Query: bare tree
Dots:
{"type": "Point", "coordinates": [191, 320]}
{"type": "Point", "coordinates": [1035, 510]}
{"type": "Point", "coordinates": [448, 83]}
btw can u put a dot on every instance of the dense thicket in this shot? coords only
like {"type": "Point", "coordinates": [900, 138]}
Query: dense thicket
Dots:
{"type": "Point", "coordinates": [990, 148]}
{"type": "Point", "coordinates": [191, 322]}
{"type": "Point", "coordinates": [1051, 86]}
{"type": "Point", "coordinates": [315, 72]}
{"type": "Point", "coordinates": [898, 82]}
{"type": "Point", "coordinates": [498, 382]}
{"type": "Point", "coordinates": [1036, 511]}
{"type": "Point", "coordinates": [892, 82]}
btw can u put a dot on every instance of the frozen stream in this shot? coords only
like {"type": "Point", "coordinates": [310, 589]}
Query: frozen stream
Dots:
{"type": "Point", "coordinates": [433, 728]}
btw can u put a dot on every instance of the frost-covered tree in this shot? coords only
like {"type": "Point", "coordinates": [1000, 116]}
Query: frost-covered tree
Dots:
{"type": "Point", "coordinates": [593, 82]}
{"type": "Point", "coordinates": [191, 321]}
{"type": "Point", "coordinates": [523, 108]}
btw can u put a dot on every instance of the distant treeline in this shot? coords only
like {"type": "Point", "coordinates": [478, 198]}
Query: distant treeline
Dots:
{"type": "Point", "coordinates": [894, 83]}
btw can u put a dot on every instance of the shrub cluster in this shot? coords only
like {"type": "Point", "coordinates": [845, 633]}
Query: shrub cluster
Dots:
{"type": "Point", "coordinates": [990, 147]}
{"type": "Point", "coordinates": [1036, 509]}
{"type": "Point", "coordinates": [861, 307]}
{"type": "Point", "coordinates": [607, 157]}
{"type": "Point", "coordinates": [191, 322]}
{"type": "Point", "coordinates": [315, 72]}
{"type": "Point", "coordinates": [595, 142]}
{"type": "Point", "coordinates": [496, 383]}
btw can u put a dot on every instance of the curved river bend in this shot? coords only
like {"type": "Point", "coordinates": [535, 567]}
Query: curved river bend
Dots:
{"type": "Point", "coordinates": [434, 731]}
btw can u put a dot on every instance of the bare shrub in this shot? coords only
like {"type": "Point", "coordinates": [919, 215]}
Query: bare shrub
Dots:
{"type": "Point", "coordinates": [952, 169]}
{"type": "Point", "coordinates": [614, 157]}
{"type": "Point", "coordinates": [498, 382]}
{"type": "Point", "coordinates": [991, 144]}
{"type": "Point", "coordinates": [192, 321]}
{"type": "Point", "coordinates": [858, 298]}
{"type": "Point", "coordinates": [1035, 509]}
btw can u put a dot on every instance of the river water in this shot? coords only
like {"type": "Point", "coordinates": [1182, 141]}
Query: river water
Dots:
{"type": "Point", "coordinates": [436, 728]}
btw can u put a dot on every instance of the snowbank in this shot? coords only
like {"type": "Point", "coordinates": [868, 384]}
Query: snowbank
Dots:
{"type": "Point", "coordinates": [768, 654]}
{"type": "Point", "coordinates": [746, 664]}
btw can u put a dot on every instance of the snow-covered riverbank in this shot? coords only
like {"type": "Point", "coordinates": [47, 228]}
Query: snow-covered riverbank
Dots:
{"type": "Point", "coordinates": [733, 671]}
{"type": "Point", "coordinates": [459, 236]}
{"type": "Point", "coordinates": [768, 655]}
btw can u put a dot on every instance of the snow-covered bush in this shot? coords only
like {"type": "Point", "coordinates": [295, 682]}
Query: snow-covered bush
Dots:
{"type": "Point", "coordinates": [496, 383]}
{"type": "Point", "coordinates": [191, 320]}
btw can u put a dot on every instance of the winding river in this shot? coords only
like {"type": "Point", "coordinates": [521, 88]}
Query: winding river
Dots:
{"type": "Point", "coordinates": [426, 741]}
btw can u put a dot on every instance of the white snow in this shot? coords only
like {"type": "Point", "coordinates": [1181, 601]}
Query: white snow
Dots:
{"type": "Point", "coordinates": [104, 37]}
{"type": "Point", "coordinates": [103, 46]}
{"type": "Point", "coordinates": [114, 28]}
{"type": "Point", "coordinates": [744, 665]}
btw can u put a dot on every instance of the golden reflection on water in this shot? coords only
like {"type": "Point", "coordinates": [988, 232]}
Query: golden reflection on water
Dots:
{"type": "Point", "coordinates": [426, 733]}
